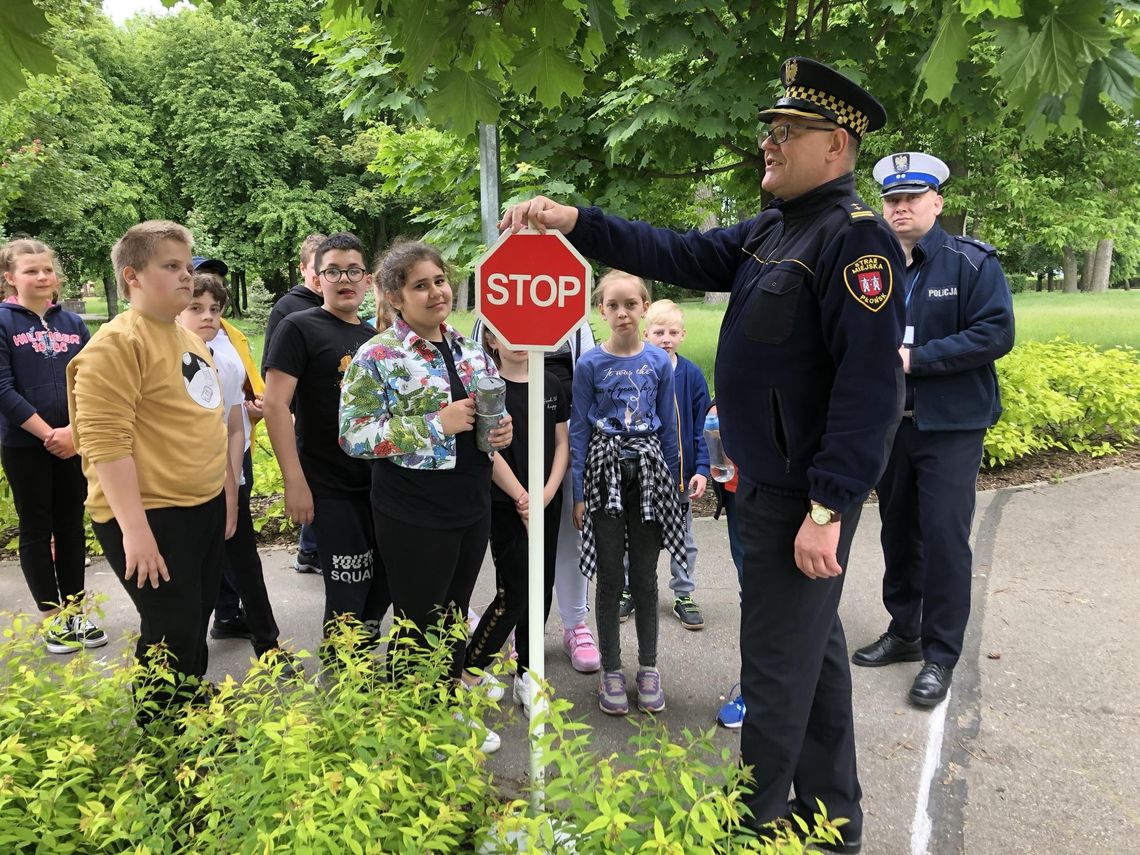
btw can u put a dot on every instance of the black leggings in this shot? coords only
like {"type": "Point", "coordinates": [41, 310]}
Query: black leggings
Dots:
{"type": "Point", "coordinates": [510, 551]}
{"type": "Point", "coordinates": [48, 494]}
{"type": "Point", "coordinates": [431, 574]}
{"type": "Point", "coordinates": [177, 613]}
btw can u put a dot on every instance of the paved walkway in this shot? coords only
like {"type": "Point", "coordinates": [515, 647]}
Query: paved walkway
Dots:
{"type": "Point", "coordinates": [1034, 752]}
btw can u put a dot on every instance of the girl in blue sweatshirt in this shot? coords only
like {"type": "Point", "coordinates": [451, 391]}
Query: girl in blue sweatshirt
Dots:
{"type": "Point", "coordinates": [37, 340]}
{"type": "Point", "coordinates": [624, 459]}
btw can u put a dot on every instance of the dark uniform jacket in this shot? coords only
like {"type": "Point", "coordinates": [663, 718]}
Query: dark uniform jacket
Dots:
{"type": "Point", "coordinates": [962, 313]}
{"type": "Point", "coordinates": [808, 378]}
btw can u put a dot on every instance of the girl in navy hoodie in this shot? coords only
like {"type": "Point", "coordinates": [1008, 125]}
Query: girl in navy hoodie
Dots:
{"type": "Point", "coordinates": [37, 340]}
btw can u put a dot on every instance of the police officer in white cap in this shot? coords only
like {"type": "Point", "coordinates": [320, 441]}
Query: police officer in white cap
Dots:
{"type": "Point", "coordinates": [959, 319]}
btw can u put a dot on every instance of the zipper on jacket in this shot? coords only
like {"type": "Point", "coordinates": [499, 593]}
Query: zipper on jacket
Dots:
{"type": "Point", "coordinates": [780, 430]}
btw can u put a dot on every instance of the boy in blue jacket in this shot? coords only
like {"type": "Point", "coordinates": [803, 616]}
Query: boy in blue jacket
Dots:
{"type": "Point", "coordinates": [665, 327]}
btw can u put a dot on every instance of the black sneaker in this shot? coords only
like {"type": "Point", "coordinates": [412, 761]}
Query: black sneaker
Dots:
{"type": "Point", "coordinates": [307, 561]}
{"type": "Point", "coordinates": [626, 607]}
{"type": "Point", "coordinates": [229, 628]}
{"type": "Point", "coordinates": [86, 633]}
{"type": "Point", "coordinates": [276, 658]}
{"type": "Point", "coordinates": [688, 613]}
{"type": "Point", "coordinates": [60, 637]}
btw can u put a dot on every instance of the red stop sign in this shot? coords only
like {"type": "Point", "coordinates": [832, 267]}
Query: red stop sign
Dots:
{"type": "Point", "coordinates": [532, 289]}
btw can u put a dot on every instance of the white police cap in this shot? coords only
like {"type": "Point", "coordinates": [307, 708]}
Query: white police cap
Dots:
{"type": "Point", "coordinates": [910, 172]}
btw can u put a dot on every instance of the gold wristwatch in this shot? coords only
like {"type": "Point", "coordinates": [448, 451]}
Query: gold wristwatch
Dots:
{"type": "Point", "coordinates": [824, 516]}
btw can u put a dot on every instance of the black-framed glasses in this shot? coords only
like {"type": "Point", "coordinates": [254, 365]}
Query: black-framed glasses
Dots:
{"type": "Point", "coordinates": [332, 275]}
{"type": "Point", "coordinates": [779, 134]}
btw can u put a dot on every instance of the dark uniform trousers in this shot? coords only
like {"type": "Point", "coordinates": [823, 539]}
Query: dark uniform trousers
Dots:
{"type": "Point", "coordinates": [926, 502]}
{"type": "Point", "coordinates": [794, 672]}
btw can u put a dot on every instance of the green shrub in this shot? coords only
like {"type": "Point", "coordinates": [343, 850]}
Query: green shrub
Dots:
{"type": "Point", "coordinates": [350, 762]}
{"type": "Point", "coordinates": [1063, 394]}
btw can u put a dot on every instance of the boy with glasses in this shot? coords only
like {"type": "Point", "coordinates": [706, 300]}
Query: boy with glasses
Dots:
{"type": "Point", "coordinates": [325, 487]}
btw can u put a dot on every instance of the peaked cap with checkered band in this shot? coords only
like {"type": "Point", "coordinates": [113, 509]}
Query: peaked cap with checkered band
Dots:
{"type": "Point", "coordinates": [817, 92]}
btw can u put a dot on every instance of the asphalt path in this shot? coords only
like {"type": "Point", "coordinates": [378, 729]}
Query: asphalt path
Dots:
{"type": "Point", "coordinates": [1035, 749]}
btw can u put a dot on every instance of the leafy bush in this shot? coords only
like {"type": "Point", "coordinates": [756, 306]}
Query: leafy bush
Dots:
{"type": "Point", "coordinates": [349, 762]}
{"type": "Point", "coordinates": [1063, 394]}
{"type": "Point", "coordinates": [268, 496]}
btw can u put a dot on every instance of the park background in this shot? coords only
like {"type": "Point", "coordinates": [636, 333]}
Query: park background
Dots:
{"type": "Point", "coordinates": [256, 122]}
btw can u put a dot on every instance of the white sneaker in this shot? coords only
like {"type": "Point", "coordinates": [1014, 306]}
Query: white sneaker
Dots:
{"type": "Point", "coordinates": [491, 740]}
{"type": "Point", "coordinates": [487, 684]}
{"type": "Point", "coordinates": [523, 690]}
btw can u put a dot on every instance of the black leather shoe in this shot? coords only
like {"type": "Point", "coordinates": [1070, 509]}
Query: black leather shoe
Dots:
{"type": "Point", "coordinates": [847, 847]}
{"type": "Point", "coordinates": [888, 650]}
{"type": "Point", "coordinates": [931, 685]}
{"type": "Point", "coordinates": [229, 628]}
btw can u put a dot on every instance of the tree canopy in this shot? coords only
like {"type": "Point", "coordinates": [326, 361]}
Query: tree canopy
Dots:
{"type": "Point", "coordinates": [259, 121]}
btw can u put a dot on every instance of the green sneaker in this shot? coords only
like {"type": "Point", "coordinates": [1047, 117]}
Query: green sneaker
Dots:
{"type": "Point", "coordinates": [688, 613]}
{"type": "Point", "coordinates": [626, 607]}
{"type": "Point", "coordinates": [60, 637]}
{"type": "Point", "coordinates": [86, 633]}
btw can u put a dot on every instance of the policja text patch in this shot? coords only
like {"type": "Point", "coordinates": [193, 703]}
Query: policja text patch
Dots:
{"type": "Point", "coordinates": [869, 280]}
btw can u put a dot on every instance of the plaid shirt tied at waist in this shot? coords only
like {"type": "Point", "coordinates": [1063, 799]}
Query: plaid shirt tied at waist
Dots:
{"type": "Point", "coordinates": [602, 492]}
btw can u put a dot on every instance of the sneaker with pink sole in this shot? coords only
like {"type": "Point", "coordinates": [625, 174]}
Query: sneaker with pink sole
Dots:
{"type": "Point", "coordinates": [578, 644]}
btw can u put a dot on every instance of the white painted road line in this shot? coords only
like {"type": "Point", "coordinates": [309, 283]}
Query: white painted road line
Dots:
{"type": "Point", "coordinates": [922, 825]}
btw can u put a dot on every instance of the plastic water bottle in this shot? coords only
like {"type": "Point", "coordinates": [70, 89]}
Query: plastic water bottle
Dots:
{"type": "Point", "coordinates": [720, 467]}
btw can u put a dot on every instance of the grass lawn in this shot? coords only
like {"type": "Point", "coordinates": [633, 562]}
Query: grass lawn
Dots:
{"type": "Point", "coordinates": [1106, 320]}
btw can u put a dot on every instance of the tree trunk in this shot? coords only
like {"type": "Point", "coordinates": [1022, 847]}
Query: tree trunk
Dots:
{"type": "Point", "coordinates": [244, 293]}
{"type": "Point", "coordinates": [236, 277]}
{"type": "Point", "coordinates": [1102, 268]}
{"type": "Point", "coordinates": [1040, 281]}
{"type": "Point", "coordinates": [706, 201]}
{"type": "Point", "coordinates": [1087, 270]}
{"type": "Point", "coordinates": [1049, 280]}
{"type": "Point", "coordinates": [1069, 270]}
{"type": "Point", "coordinates": [1134, 282]}
{"type": "Point", "coordinates": [379, 235]}
{"type": "Point", "coordinates": [294, 274]}
{"type": "Point", "coordinates": [954, 221]}
{"type": "Point", "coordinates": [461, 296]}
{"type": "Point", "coordinates": [111, 287]}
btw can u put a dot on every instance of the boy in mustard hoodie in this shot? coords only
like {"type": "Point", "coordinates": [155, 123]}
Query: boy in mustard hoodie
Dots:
{"type": "Point", "coordinates": [146, 407]}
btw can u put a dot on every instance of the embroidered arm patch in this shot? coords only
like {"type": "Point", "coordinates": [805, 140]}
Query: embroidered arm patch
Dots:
{"type": "Point", "coordinates": [869, 279]}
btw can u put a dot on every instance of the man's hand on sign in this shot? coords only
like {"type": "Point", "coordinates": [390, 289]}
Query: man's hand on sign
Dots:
{"type": "Point", "coordinates": [458, 417]}
{"type": "Point", "coordinates": [815, 549]}
{"type": "Point", "coordinates": [501, 436]}
{"type": "Point", "coordinates": [539, 213]}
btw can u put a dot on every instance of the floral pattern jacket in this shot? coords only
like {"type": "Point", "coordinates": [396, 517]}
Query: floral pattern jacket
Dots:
{"type": "Point", "coordinates": [393, 392]}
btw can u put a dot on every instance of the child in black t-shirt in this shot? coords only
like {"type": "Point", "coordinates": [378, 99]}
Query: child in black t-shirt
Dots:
{"type": "Point", "coordinates": [510, 508]}
{"type": "Point", "coordinates": [308, 356]}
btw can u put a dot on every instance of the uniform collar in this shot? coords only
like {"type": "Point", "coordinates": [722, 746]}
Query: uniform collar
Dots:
{"type": "Point", "coordinates": [817, 199]}
{"type": "Point", "coordinates": [928, 244]}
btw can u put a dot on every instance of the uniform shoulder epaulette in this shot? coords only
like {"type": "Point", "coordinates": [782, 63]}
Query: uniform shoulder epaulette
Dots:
{"type": "Point", "coordinates": [857, 212]}
{"type": "Point", "coordinates": [984, 248]}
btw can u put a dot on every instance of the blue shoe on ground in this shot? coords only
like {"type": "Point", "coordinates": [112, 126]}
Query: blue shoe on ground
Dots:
{"type": "Point", "coordinates": [731, 715]}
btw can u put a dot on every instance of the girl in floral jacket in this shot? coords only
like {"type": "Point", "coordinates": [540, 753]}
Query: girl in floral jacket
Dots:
{"type": "Point", "coordinates": [406, 402]}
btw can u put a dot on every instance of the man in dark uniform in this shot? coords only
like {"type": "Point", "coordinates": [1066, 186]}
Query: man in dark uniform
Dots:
{"type": "Point", "coordinates": [959, 319]}
{"type": "Point", "coordinates": [809, 389]}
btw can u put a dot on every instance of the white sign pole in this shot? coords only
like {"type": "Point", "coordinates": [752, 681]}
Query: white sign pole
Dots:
{"type": "Point", "coordinates": [536, 540]}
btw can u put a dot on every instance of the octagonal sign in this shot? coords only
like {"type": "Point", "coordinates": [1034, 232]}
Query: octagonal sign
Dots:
{"type": "Point", "coordinates": [532, 289]}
